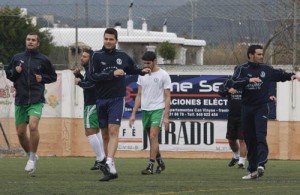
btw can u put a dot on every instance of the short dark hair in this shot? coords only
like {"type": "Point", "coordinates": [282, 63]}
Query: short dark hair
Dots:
{"type": "Point", "coordinates": [149, 56]}
{"type": "Point", "coordinates": [111, 31]}
{"type": "Point", "coordinates": [252, 48]}
{"type": "Point", "coordinates": [89, 51]}
{"type": "Point", "coordinates": [34, 33]}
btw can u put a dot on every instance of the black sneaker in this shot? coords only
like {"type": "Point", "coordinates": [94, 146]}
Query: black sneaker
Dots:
{"type": "Point", "coordinates": [104, 168]}
{"type": "Point", "coordinates": [98, 164]}
{"type": "Point", "coordinates": [241, 166]}
{"type": "Point", "coordinates": [109, 176]}
{"type": "Point", "coordinates": [233, 162]}
{"type": "Point", "coordinates": [148, 170]}
{"type": "Point", "coordinates": [161, 166]}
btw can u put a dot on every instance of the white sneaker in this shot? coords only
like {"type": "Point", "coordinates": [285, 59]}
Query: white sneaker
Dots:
{"type": "Point", "coordinates": [260, 171]}
{"type": "Point", "coordinates": [30, 166]}
{"type": "Point", "coordinates": [253, 175]}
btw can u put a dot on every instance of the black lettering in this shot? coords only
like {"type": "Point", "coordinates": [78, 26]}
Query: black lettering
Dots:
{"type": "Point", "coordinates": [196, 135]}
{"type": "Point", "coordinates": [172, 129]}
{"type": "Point", "coordinates": [185, 137]}
{"type": "Point", "coordinates": [208, 129]}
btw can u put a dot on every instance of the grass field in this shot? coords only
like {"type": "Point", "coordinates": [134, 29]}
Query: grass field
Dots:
{"type": "Point", "coordinates": [71, 175]}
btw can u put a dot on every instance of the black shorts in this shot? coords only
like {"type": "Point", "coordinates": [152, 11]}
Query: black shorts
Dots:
{"type": "Point", "coordinates": [110, 111]}
{"type": "Point", "coordinates": [234, 128]}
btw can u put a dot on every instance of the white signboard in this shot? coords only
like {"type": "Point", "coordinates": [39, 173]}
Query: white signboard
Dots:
{"type": "Point", "coordinates": [183, 135]}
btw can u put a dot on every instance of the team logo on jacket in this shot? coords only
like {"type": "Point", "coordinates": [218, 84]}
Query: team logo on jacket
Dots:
{"type": "Point", "coordinates": [262, 74]}
{"type": "Point", "coordinates": [119, 61]}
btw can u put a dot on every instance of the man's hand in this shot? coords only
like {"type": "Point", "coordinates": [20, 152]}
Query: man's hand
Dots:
{"type": "Point", "coordinates": [255, 80]}
{"type": "Point", "coordinates": [19, 68]}
{"type": "Point", "coordinates": [77, 81]}
{"type": "Point", "coordinates": [273, 98]}
{"type": "Point", "coordinates": [119, 72]}
{"type": "Point", "coordinates": [232, 91]}
{"type": "Point", "coordinates": [295, 77]}
{"type": "Point", "coordinates": [166, 123]}
{"type": "Point", "coordinates": [146, 70]}
{"type": "Point", "coordinates": [38, 78]}
{"type": "Point", "coordinates": [76, 71]}
{"type": "Point", "coordinates": [131, 121]}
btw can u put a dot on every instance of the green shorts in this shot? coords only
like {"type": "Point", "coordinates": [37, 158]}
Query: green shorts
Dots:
{"type": "Point", "coordinates": [22, 113]}
{"type": "Point", "coordinates": [152, 118]}
{"type": "Point", "coordinates": [90, 117]}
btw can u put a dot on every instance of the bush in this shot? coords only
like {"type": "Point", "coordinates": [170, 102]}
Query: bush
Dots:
{"type": "Point", "coordinates": [167, 51]}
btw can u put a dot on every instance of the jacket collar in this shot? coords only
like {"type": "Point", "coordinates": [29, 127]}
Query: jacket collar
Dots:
{"type": "Point", "coordinates": [109, 50]}
{"type": "Point", "coordinates": [254, 64]}
{"type": "Point", "coordinates": [32, 51]}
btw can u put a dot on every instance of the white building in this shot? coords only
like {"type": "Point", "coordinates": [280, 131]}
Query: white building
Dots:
{"type": "Point", "coordinates": [134, 41]}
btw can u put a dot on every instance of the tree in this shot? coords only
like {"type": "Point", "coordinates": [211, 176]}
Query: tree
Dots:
{"type": "Point", "coordinates": [167, 51]}
{"type": "Point", "coordinates": [13, 31]}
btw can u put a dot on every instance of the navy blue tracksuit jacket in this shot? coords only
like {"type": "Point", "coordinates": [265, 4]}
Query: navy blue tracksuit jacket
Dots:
{"type": "Point", "coordinates": [28, 90]}
{"type": "Point", "coordinates": [87, 86]}
{"type": "Point", "coordinates": [255, 98]}
{"type": "Point", "coordinates": [102, 67]}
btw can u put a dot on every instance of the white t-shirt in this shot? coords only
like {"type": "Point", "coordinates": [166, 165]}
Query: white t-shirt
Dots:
{"type": "Point", "coordinates": [153, 85]}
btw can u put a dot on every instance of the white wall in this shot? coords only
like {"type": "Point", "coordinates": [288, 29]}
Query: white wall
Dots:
{"type": "Point", "coordinates": [288, 101]}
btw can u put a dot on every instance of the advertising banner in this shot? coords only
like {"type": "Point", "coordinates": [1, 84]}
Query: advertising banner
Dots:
{"type": "Point", "coordinates": [192, 97]}
{"type": "Point", "coordinates": [207, 135]}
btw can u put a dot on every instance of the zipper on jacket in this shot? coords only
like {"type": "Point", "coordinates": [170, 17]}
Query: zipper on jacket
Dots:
{"type": "Point", "coordinates": [28, 79]}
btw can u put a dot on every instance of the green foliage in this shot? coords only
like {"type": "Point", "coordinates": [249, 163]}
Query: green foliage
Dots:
{"type": "Point", "coordinates": [13, 32]}
{"type": "Point", "coordinates": [167, 50]}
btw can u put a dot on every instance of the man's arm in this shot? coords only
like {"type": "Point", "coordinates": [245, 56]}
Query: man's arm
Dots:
{"type": "Point", "coordinates": [77, 73]}
{"type": "Point", "coordinates": [167, 94]}
{"type": "Point", "coordinates": [240, 81]}
{"type": "Point", "coordinates": [84, 84]}
{"type": "Point", "coordinates": [96, 72]}
{"type": "Point", "coordinates": [47, 72]}
{"type": "Point", "coordinates": [279, 75]}
{"type": "Point", "coordinates": [132, 69]}
{"type": "Point", "coordinates": [13, 71]}
{"type": "Point", "coordinates": [137, 104]}
{"type": "Point", "coordinates": [223, 90]}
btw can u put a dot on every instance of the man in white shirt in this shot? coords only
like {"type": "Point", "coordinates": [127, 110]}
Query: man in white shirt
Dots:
{"type": "Point", "coordinates": [154, 98]}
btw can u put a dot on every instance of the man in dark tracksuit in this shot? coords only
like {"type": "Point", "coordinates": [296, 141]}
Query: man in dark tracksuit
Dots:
{"type": "Point", "coordinates": [254, 78]}
{"type": "Point", "coordinates": [108, 69]}
{"type": "Point", "coordinates": [30, 71]}
{"type": "Point", "coordinates": [234, 128]}
{"type": "Point", "coordinates": [91, 123]}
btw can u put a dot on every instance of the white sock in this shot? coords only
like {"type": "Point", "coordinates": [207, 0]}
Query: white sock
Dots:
{"type": "Point", "coordinates": [32, 156]}
{"type": "Point", "coordinates": [111, 164]}
{"type": "Point", "coordinates": [242, 160]}
{"type": "Point", "coordinates": [236, 155]}
{"type": "Point", "coordinates": [94, 142]}
{"type": "Point", "coordinates": [99, 136]}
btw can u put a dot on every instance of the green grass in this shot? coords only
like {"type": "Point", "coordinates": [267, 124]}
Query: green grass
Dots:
{"type": "Point", "coordinates": [71, 175]}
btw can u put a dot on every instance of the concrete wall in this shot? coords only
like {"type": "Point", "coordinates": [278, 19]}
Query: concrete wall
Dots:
{"type": "Point", "coordinates": [65, 137]}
